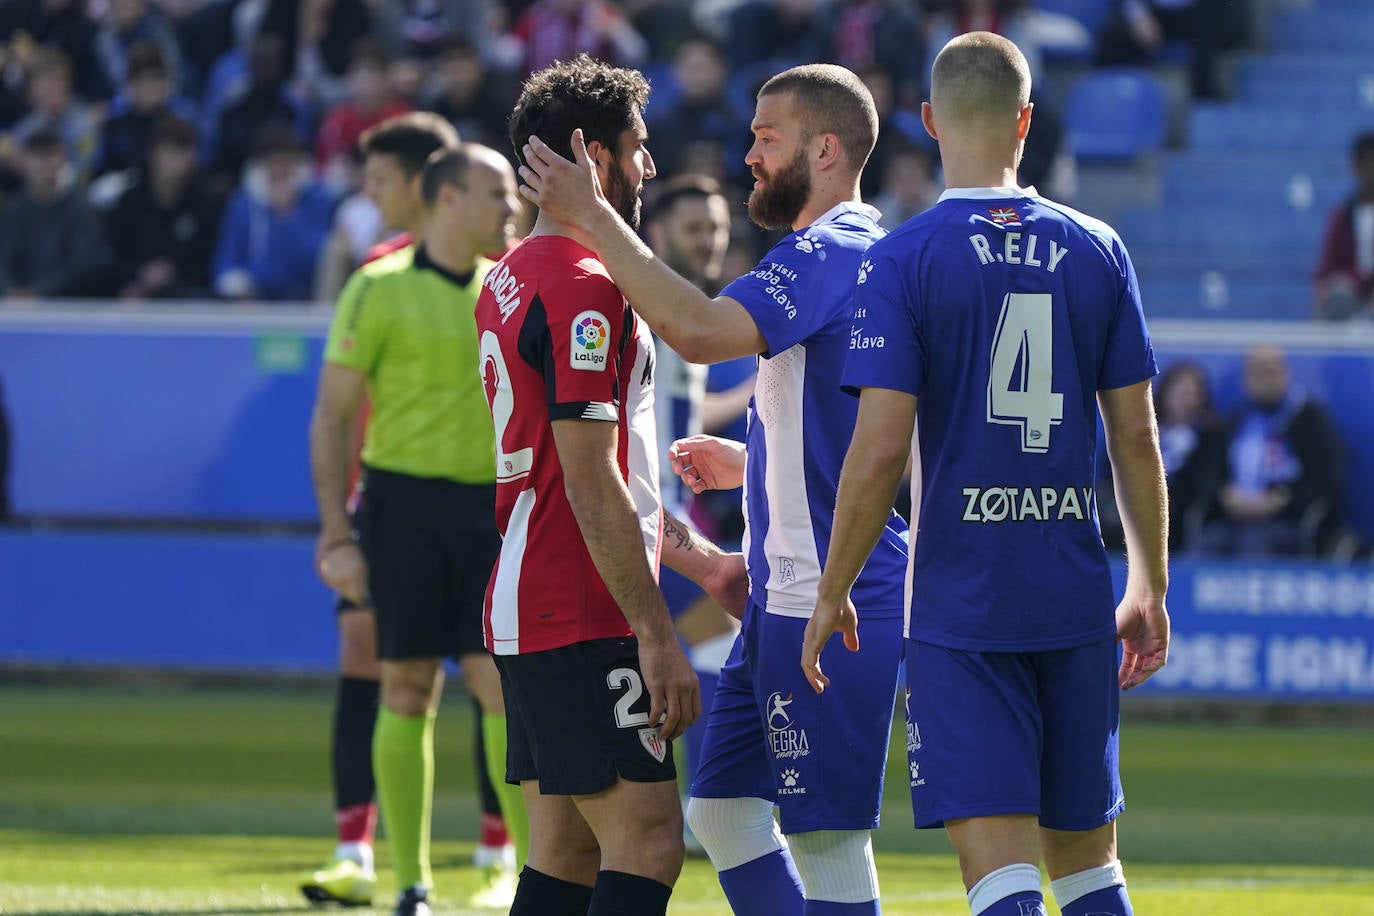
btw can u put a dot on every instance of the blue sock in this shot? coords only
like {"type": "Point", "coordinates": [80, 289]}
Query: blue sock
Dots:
{"type": "Point", "coordinates": [1109, 901]}
{"type": "Point", "coordinates": [766, 886]}
{"type": "Point", "coordinates": [830, 908]}
{"type": "Point", "coordinates": [1026, 903]}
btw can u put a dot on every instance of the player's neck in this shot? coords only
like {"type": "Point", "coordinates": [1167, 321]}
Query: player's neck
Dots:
{"type": "Point", "coordinates": [966, 165]}
{"type": "Point", "coordinates": [822, 201]}
{"type": "Point", "coordinates": [547, 225]}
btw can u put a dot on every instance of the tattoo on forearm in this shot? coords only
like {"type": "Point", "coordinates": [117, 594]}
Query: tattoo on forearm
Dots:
{"type": "Point", "coordinates": [672, 530]}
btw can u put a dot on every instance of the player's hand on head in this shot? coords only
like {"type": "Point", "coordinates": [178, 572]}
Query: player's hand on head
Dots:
{"type": "Point", "coordinates": [829, 618]}
{"type": "Point", "coordinates": [567, 191]}
{"type": "Point", "coordinates": [708, 463]}
{"type": "Point", "coordinates": [1142, 626]}
{"type": "Point", "coordinates": [674, 690]}
{"type": "Point", "coordinates": [342, 567]}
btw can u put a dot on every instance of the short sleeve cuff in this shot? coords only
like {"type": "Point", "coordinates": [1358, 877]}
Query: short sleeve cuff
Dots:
{"type": "Point", "coordinates": [585, 410]}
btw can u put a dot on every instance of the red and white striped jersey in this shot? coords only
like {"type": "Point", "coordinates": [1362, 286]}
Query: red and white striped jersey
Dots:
{"type": "Point", "coordinates": [559, 342]}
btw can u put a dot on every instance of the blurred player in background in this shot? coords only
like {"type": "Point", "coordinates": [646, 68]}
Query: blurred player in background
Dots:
{"type": "Point", "coordinates": [404, 334]}
{"type": "Point", "coordinates": [395, 153]}
{"type": "Point", "coordinates": [689, 228]}
{"type": "Point", "coordinates": [770, 739]}
{"type": "Point", "coordinates": [1013, 320]}
{"type": "Point", "coordinates": [596, 683]}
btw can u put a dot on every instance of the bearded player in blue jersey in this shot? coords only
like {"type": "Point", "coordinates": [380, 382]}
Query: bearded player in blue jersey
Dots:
{"type": "Point", "coordinates": [770, 741]}
{"type": "Point", "coordinates": [1012, 321]}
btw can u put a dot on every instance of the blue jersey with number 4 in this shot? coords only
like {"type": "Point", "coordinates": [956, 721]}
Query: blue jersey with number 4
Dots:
{"type": "Point", "coordinates": [1004, 314]}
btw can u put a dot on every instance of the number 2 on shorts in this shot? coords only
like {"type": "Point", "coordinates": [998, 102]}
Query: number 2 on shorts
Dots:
{"type": "Point", "coordinates": [627, 677]}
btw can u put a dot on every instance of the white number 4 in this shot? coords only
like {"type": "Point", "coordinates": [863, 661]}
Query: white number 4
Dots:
{"type": "Point", "coordinates": [1019, 384]}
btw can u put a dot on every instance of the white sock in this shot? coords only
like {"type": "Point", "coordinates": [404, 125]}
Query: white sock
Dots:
{"type": "Point", "coordinates": [1003, 882]}
{"type": "Point", "coordinates": [734, 830]}
{"type": "Point", "coordinates": [836, 865]}
{"type": "Point", "coordinates": [1082, 883]}
{"type": "Point", "coordinates": [355, 852]}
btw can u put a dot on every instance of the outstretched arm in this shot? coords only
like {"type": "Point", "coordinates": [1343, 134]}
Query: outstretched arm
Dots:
{"type": "Point", "coordinates": [699, 328]}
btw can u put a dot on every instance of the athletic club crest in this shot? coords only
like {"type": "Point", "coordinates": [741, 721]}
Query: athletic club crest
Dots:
{"type": "Point", "coordinates": [655, 745]}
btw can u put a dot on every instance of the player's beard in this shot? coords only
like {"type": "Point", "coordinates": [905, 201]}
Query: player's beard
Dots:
{"type": "Point", "coordinates": [779, 202]}
{"type": "Point", "coordinates": [622, 195]}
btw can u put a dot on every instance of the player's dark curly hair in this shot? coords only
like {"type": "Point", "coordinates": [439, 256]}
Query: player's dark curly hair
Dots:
{"type": "Point", "coordinates": [582, 92]}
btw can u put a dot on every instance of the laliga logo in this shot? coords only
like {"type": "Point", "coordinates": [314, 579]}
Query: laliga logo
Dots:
{"type": "Point", "coordinates": [591, 334]}
{"type": "Point", "coordinates": [777, 704]}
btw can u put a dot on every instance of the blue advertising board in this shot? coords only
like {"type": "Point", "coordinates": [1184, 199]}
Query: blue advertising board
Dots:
{"type": "Point", "coordinates": [1268, 630]}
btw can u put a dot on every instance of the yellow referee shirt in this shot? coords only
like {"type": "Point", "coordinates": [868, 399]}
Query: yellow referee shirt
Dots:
{"type": "Point", "coordinates": [408, 325]}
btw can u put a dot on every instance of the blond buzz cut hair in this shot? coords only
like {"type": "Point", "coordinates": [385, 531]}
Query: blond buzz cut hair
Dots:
{"type": "Point", "coordinates": [980, 78]}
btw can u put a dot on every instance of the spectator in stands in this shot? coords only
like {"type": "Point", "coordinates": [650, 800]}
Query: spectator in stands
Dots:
{"type": "Point", "coordinates": [129, 24]}
{"type": "Point", "coordinates": [162, 229]}
{"type": "Point", "coordinates": [1189, 438]}
{"type": "Point", "coordinates": [60, 24]}
{"type": "Point", "coordinates": [274, 225]}
{"type": "Point", "coordinates": [701, 111]}
{"type": "Point", "coordinates": [262, 100]}
{"type": "Point", "coordinates": [467, 95]}
{"type": "Point", "coordinates": [1141, 28]}
{"type": "Point", "coordinates": [1345, 272]}
{"type": "Point", "coordinates": [319, 36]}
{"type": "Point", "coordinates": [426, 28]}
{"type": "Point", "coordinates": [898, 126]}
{"type": "Point", "coordinates": [147, 99]}
{"type": "Point", "coordinates": [50, 241]}
{"type": "Point", "coordinates": [776, 34]}
{"type": "Point", "coordinates": [369, 103]}
{"type": "Point", "coordinates": [882, 34]}
{"type": "Point", "coordinates": [1275, 485]}
{"type": "Point", "coordinates": [54, 108]}
{"type": "Point", "coordinates": [908, 186]}
{"type": "Point", "coordinates": [551, 30]}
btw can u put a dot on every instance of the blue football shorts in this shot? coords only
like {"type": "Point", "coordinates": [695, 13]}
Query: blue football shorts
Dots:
{"type": "Point", "coordinates": [818, 757]}
{"type": "Point", "coordinates": [1014, 733]}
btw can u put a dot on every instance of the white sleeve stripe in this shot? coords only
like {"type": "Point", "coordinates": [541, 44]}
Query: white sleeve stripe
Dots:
{"type": "Point", "coordinates": [600, 410]}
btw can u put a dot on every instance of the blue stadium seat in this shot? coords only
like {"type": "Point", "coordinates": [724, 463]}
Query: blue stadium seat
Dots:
{"type": "Point", "coordinates": [1350, 28]}
{"type": "Point", "coordinates": [1115, 114]}
{"type": "Point", "coordinates": [1092, 13]}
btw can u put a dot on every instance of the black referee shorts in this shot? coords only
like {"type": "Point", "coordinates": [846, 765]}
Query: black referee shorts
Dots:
{"type": "Point", "coordinates": [430, 546]}
{"type": "Point", "coordinates": [577, 719]}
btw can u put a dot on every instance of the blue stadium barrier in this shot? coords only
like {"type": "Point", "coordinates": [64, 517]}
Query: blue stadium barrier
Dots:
{"type": "Point", "coordinates": [1261, 631]}
{"type": "Point", "coordinates": [163, 600]}
{"type": "Point", "coordinates": [1268, 631]}
{"type": "Point", "coordinates": [167, 413]}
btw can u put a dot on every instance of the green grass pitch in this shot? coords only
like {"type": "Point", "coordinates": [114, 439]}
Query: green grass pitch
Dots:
{"type": "Point", "coordinates": [124, 801]}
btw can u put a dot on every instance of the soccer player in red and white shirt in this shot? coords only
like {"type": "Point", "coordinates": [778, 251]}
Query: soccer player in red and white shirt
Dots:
{"type": "Point", "coordinates": [595, 681]}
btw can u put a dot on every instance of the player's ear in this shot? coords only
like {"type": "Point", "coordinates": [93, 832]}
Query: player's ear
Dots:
{"type": "Point", "coordinates": [599, 154]}
{"type": "Point", "coordinates": [830, 152]}
{"type": "Point", "coordinates": [928, 120]}
{"type": "Point", "coordinates": [1023, 120]}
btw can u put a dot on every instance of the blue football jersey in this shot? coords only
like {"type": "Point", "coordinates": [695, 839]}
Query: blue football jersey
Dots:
{"type": "Point", "coordinates": [801, 296]}
{"type": "Point", "coordinates": [1004, 314]}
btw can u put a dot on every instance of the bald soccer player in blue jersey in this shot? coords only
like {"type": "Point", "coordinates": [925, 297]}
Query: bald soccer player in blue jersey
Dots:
{"type": "Point", "coordinates": [770, 741]}
{"type": "Point", "coordinates": [1013, 321]}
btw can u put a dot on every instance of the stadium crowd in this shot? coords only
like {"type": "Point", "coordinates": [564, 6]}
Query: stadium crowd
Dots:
{"type": "Point", "coordinates": [193, 149]}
